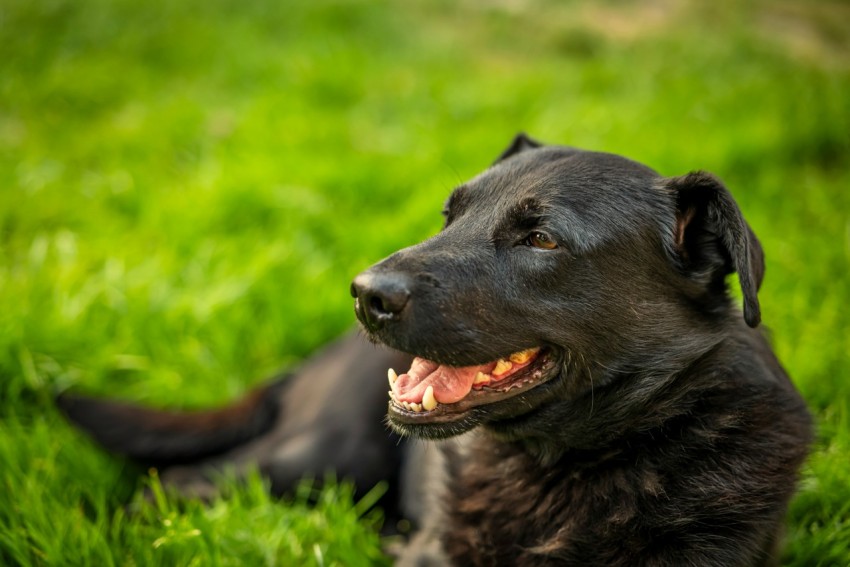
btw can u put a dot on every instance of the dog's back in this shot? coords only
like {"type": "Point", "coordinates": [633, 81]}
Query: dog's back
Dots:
{"type": "Point", "coordinates": [325, 417]}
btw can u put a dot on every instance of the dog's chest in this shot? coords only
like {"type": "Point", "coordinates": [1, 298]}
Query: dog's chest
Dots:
{"type": "Point", "coordinates": [506, 508]}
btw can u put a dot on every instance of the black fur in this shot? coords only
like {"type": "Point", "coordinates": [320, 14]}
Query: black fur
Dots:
{"type": "Point", "coordinates": [326, 417]}
{"type": "Point", "coordinates": [662, 429]}
{"type": "Point", "coordinates": [667, 434]}
{"type": "Point", "coordinates": [162, 438]}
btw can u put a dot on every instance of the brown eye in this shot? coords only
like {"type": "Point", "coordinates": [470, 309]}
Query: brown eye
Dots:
{"type": "Point", "coordinates": [541, 240]}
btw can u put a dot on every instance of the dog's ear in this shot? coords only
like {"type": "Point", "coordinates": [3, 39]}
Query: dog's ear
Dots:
{"type": "Point", "coordinates": [712, 238]}
{"type": "Point", "coordinates": [520, 144]}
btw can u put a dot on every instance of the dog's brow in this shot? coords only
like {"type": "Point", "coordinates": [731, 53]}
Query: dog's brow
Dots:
{"type": "Point", "coordinates": [456, 202]}
{"type": "Point", "coordinates": [525, 212]}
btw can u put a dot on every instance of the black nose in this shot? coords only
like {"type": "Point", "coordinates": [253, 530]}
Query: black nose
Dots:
{"type": "Point", "coordinates": [380, 297]}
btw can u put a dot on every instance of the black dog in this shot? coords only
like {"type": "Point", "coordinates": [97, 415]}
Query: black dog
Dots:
{"type": "Point", "coordinates": [574, 313]}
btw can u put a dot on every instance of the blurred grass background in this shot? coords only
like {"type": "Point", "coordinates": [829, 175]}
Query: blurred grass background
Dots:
{"type": "Point", "coordinates": [186, 189]}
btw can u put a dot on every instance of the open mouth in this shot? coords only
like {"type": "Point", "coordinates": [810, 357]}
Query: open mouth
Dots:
{"type": "Point", "coordinates": [430, 392]}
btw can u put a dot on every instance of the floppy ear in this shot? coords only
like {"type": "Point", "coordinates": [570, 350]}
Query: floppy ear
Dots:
{"type": "Point", "coordinates": [520, 144]}
{"type": "Point", "coordinates": [712, 238]}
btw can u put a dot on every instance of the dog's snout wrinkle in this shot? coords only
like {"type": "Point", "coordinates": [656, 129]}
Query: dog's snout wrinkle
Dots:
{"type": "Point", "coordinates": [428, 279]}
{"type": "Point", "coordinates": [381, 298]}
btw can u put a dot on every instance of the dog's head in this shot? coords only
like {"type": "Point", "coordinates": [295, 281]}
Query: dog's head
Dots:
{"type": "Point", "coordinates": [555, 267]}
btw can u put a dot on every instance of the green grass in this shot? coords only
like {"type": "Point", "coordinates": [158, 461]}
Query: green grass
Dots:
{"type": "Point", "coordinates": [186, 189]}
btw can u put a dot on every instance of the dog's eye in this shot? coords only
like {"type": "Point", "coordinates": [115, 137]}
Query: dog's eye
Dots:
{"type": "Point", "coordinates": [541, 240]}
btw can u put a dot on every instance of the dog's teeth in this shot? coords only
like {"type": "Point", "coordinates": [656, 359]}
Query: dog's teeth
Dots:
{"type": "Point", "coordinates": [415, 407]}
{"type": "Point", "coordinates": [429, 402]}
{"type": "Point", "coordinates": [392, 376]}
{"type": "Point", "coordinates": [523, 356]}
{"type": "Point", "coordinates": [481, 378]}
{"type": "Point", "coordinates": [502, 366]}
{"type": "Point", "coordinates": [405, 405]}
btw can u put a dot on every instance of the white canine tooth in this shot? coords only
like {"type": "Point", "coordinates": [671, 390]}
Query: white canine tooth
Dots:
{"type": "Point", "coordinates": [523, 356]}
{"type": "Point", "coordinates": [502, 366]}
{"type": "Point", "coordinates": [481, 378]}
{"type": "Point", "coordinates": [392, 376]}
{"type": "Point", "coordinates": [429, 402]}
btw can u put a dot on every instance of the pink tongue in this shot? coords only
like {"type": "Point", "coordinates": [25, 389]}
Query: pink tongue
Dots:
{"type": "Point", "coordinates": [450, 384]}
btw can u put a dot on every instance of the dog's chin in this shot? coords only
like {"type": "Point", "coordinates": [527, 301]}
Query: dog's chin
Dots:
{"type": "Point", "coordinates": [517, 394]}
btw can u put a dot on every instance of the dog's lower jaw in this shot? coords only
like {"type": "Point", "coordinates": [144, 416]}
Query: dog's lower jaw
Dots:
{"type": "Point", "coordinates": [434, 431]}
{"type": "Point", "coordinates": [504, 426]}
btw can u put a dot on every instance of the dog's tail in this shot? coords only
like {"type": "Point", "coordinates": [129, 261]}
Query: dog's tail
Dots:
{"type": "Point", "coordinates": [162, 438]}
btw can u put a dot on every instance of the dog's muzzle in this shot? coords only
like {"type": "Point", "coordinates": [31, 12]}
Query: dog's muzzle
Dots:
{"type": "Point", "coordinates": [380, 298]}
